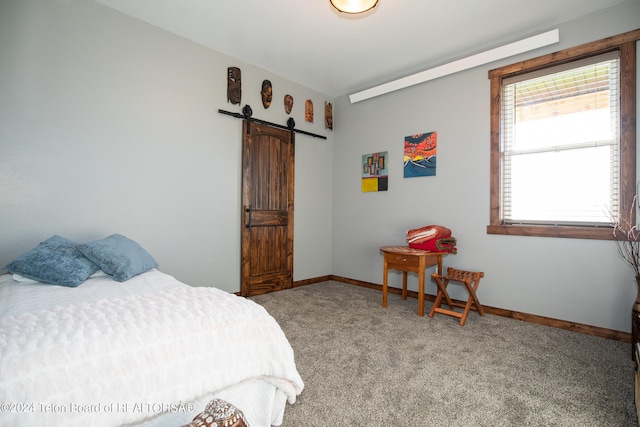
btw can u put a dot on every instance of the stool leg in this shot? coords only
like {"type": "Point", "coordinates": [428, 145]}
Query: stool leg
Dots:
{"type": "Point", "coordinates": [467, 306]}
{"type": "Point", "coordinates": [472, 301]}
{"type": "Point", "coordinates": [442, 293]}
{"type": "Point", "coordinates": [473, 297]}
{"type": "Point", "coordinates": [442, 287]}
{"type": "Point", "coordinates": [439, 295]}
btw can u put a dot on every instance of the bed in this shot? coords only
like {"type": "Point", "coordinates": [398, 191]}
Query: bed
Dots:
{"type": "Point", "coordinates": [145, 351]}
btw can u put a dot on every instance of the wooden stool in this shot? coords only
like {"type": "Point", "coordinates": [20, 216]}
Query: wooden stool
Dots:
{"type": "Point", "coordinates": [470, 280]}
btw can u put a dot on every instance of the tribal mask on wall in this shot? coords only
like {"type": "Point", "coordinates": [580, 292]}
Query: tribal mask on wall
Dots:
{"type": "Point", "coordinates": [288, 104]}
{"type": "Point", "coordinates": [234, 85]}
{"type": "Point", "coordinates": [267, 93]}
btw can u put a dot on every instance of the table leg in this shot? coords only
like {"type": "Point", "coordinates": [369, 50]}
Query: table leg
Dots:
{"type": "Point", "coordinates": [385, 284]}
{"type": "Point", "coordinates": [421, 293]}
{"type": "Point", "coordinates": [404, 284]}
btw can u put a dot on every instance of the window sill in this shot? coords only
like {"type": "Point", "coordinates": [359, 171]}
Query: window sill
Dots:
{"type": "Point", "coordinates": [603, 233]}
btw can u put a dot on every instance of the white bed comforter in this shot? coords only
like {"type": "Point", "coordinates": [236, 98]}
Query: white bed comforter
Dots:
{"type": "Point", "coordinates": [120, 360]}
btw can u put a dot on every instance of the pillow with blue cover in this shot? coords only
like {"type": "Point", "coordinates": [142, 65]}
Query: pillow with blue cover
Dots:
{"type": "Point", "coordinates": [56, 261]}
{"type": "Point", "coordinates": [118, 256]}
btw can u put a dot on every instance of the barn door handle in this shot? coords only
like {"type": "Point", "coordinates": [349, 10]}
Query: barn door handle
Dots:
{"type": "Point", "coordinates": [248, 211]}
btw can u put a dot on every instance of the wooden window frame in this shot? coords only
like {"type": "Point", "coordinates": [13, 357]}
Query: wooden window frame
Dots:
{"type": "Point", "coordinates": [624, 43]}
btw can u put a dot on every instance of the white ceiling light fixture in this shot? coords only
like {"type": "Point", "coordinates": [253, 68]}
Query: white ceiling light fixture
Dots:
{"type": "Point", "coordinates": [353, 6]}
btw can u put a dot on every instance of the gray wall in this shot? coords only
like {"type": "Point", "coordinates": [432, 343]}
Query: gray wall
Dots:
{"type": "Point", "coordinates": [109, 125]}
{"type": "Point", "coordinates": [581, 281]}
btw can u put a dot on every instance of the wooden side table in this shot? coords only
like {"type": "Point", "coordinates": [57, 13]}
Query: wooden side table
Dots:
{"type": "Point", "coordinates": [406, 259]}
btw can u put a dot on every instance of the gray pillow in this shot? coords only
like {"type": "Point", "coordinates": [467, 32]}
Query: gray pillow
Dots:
{"type": "Point", "coordinates": [118, 256]}
{"type": "Point", "coordinates": [56, 261]}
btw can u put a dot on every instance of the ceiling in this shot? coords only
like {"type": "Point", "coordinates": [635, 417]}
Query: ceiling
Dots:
{"type": "Point", "coordinates": [308, 42]}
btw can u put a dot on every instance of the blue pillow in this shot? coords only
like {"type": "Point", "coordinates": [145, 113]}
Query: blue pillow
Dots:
{"type": "Point", "coordinates": [56, 261]}
{"type": "Point", "coordinates": [118, 256]}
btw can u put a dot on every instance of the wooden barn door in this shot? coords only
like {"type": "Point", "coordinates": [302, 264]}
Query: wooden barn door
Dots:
{"type": "Point", "coordinates": [267, 201]}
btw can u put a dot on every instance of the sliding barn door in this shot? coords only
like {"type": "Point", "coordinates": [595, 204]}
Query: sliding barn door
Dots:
{"type": "Point", "coordinates": [267, 200]}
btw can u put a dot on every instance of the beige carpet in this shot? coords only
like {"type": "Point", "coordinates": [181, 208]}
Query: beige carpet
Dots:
{"type": "Point", "coordinates": [364, 365]}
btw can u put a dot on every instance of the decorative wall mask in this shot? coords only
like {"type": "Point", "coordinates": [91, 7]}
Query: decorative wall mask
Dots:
{"type": "Point", "coordinates": [267, 93]}
{"type": "Point", "coordinates": [288, 103]}
{"type": "Point", "coordinates": [234, 85]}
{"type": "Point", "coordinates": [308, 111]}
{"type": "Point", "coordinates": [328, 115]}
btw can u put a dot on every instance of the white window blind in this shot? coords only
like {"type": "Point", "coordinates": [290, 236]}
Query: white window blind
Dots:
{"type": "Point", "coordinates": [560, 144]}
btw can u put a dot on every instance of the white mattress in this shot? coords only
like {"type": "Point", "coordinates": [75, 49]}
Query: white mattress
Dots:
{"type": "Point", "coordinates": [245, 358]}
{"type": "Point", "coordinates": [28, 295]}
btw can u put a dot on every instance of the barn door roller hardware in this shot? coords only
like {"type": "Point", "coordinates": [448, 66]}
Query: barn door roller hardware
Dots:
{"type": "Point", "coordinates": [246, 115]}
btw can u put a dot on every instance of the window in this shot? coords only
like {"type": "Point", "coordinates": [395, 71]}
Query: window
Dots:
{"type": "Point", "coordinates": [563, 141]}
{"type": "Point", "coordinates": [560, 139]}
